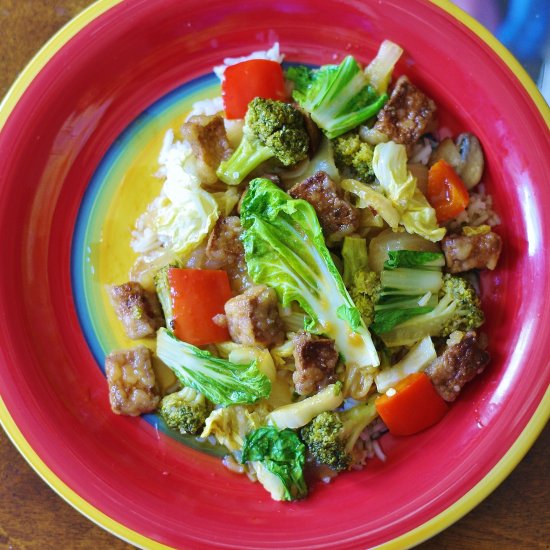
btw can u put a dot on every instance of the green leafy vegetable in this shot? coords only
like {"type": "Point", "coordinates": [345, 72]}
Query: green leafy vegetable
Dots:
{"type": "Point", "coordinates": [283, 455]}
{"type": "Point", "coordinates": [380, 68]}
{"type": "Point", "coordinates": [229, 425]}
{"type": "Point", "coordinates": [407, 291]}
{"type": "Point", "coordinates": [296, 415]}
{"type": "Point", "coordinates": [458, 308]}
{"type": "Point", "coordinates": [413, 258]}
{"type": "Point", "coordinates": [184, 213]}
{"type": "Point", "coordinates": [338, 97]}
{"type": "Point", "coordinates": [399, 185]}
{"type": "Point", "coordinates": [406, 281]}
{"type": "Point", "coordinates": [322, 161]}
{"type": "Point", "coordinates": [370, 198]}
{"type": "Point", "coordinates": [222, 382]}
{"type": "Point", "coordinates": [285, 249]}
{"type": "Point", "coordinates": [162, 288]}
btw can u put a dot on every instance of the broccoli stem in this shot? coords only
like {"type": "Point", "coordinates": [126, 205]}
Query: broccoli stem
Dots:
{"type": "Point", "coordinates": [247, 157]}
{"type": "Point", "coordinates": [355, 420]}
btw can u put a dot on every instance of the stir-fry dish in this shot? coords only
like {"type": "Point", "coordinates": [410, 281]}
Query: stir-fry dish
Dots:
{"type": "Point", "coordinates": [308, 270]}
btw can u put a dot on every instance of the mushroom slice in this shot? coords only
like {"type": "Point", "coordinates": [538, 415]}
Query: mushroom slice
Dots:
{"type": "Point", "coordinates": [449, 152]}
{"type": "Point", "coordinates": [473, 161]}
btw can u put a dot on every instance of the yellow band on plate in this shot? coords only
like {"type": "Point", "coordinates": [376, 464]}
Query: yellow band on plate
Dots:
{"type": "Point", "coordinates": [501, 50]}
{"type": "Point", "coordinates": [66, 492]}
{"type": "Point", "coordinates": [50, 48]}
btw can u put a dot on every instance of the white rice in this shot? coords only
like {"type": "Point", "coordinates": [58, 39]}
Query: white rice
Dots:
{"type": "Point", "coordinates": [421, 152]}
{"type": "Point", "coordinates": [179, 174]}
{"type": "Point", "coordinates": [144, 240]}
{"type": "Point", "coordinates": [206, 107]}
{"type": "Point", "coordinates": [478, 212]}
{"type": "Point", "coordinates": [172, 155]}
{"type": "Point", "coordinates": [273, 54]}
{"type": "Point", "coordinates": [231, 464]}
{"type": "Point", "coordinates": [454, 338]}
{"type": "Point", "coordinates": [368, 445]}
{"type": "Point", "coordinates": [378, 451]}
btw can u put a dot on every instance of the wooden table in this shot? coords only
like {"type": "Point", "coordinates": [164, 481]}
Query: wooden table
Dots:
{"type": "Point", "coordinates": [32, 516]}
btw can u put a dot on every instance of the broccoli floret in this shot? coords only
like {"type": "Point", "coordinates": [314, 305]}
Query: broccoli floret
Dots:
{"type": "Point", "coordinates": [365, 292]}
{"type": "Point", "coordinates": [338, 97]}
{"type": "Point", "coordinates": [353, 157]}
{"type": "Point", "coordinates": [322, 437]}
{"type": "Point", "coordinates": [363, 285]}
{"type": "Point", "coordinates": [185, 411]}
{"type": "Point", "coordinates": [458, 309]}
{"type": "Point", "coordinates": [331, 436]}
{"type": "Point", "coordinates": [468, 314]}
{"type": "Point", "coordinates": [272, 129]}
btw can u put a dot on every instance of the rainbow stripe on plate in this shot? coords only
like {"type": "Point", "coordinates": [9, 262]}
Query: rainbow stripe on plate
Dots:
{"type": "Point", "coordinates": [134, 151]}
{"type": "Point", "coordinates": [101, 253]}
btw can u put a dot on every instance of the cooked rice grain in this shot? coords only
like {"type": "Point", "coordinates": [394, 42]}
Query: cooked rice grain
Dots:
{"type": "Point", "coordinates": [478, 212]}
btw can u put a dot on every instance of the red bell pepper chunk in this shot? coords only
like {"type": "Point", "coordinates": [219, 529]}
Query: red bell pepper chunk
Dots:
{"type": "Point", "coordinates": [249, 79]}
{"type": "Point", "coordinates": [446, 191]}
{"type": "Point", "coordinates": [413, 407]}
{"type": "Point", "coordinates": [197, 296]}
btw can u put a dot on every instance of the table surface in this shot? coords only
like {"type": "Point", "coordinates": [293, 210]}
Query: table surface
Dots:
{"type": "Point", "coordinates": [33, 516]}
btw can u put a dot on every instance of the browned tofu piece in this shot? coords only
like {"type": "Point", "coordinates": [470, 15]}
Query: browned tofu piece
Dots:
{"type": "Point", "coordinates": [137, 308]}
{"type": "Point", "coordinates": [225, 251]}
{"type": "Point", "coordinates": [208, 140]}
{"type": "Point", "coordinates": [336, 215]}
{"type": "Point", "coordinates": [407, 115]}
{"type": "Point", "coordinates": [224, 244]}
{"type": "Point", "coordinates": [457, 365]}
{"type": "Point", "coordinates": [253, 318]}
{"type": "Point", "coordinates": [316, 360]}
{"type": "Point", "coordinates": [463, 253]}
{"type": "Point", "coordinates": [132, 385]}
